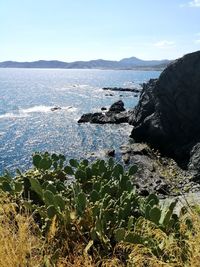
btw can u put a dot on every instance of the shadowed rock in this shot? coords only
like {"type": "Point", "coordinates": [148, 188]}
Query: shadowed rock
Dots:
{"type": "Point", "coordinates": [167, 115]}
{"type": "Point", "coordinates": [116, 114]}
{"type": "Point", "coordinates": [117, 107]}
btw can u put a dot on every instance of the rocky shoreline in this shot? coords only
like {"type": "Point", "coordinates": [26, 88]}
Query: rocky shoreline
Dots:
{"type": "Point", "coordinates": [167, 119]}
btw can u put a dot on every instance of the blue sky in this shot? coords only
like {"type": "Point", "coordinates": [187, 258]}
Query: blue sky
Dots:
{"type": "Point", "coordinates": [71, 30]}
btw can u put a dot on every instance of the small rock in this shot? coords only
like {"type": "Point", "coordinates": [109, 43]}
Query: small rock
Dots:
{"type": "Point", "coordinates": [163, 189]}
{"type": "Point", "coordinates": [108, 94]}
{"type": "Point", "coordinates": [158, 181]}
{"type": "Point", "coordinates": [144, 192]}
{"type": "Point", "coordinates": [110, 153]}
{"type": "Point", "coordinates": [126, 158]}
{"type": "Point", "coordinates": [103, 108]}
{"type": "Point", "coordinates": [136, 149]}
{"type": "Point", "coordinates": [55, 108]}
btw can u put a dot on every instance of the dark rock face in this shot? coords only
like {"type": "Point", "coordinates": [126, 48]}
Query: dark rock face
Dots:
{"type": "Point", "coordinates": [194, 163]}
{"type": "Point", "coordinates": [167, 115]}
{"type": "Point", "coordinates": [91, 117]}
{"type": "Point", "coordinates": [117, 107]}
{"type": "Point", "coordinates": [108, 117]}
{"type": "Point", "coordinates": [146, 105]}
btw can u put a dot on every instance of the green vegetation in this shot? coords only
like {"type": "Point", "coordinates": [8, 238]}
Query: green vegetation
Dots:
{"type": "Point", "coordinates": [89, 214]}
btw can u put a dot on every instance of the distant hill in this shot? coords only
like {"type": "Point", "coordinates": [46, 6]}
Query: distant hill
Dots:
{"type": "Point", "coordinates": [126, 63]}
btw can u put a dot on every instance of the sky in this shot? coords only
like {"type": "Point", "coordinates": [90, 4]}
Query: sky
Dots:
{"type": "Point", "coordinates": [70, 30]}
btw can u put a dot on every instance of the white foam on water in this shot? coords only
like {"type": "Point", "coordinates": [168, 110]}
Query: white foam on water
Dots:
{"type": "Point", "coordinates": [69, 109]}
{"type": "Point", "coordinates": [11, 115]}
{"type": "Point", "coordinates": [73, 86]}
{"type": "Point", "coordinates": [21, 113]}
{"type": "Point", "coordinates": [38, 109]}
{"type": "Point", "coordinates": [129, 84]}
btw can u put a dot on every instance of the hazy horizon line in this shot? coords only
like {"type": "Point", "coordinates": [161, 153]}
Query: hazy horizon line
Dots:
{"type": "Point", "coordinates": [80, 60]}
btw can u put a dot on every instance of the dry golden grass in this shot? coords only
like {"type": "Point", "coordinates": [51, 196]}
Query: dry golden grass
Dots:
{"type": "Point", "coordinates": [194, 241]}
{"type": "Point", "coordinates": [85, 260]}
{"type": "Point", "coordinates": [176, 252]}
{"type": "Point", "coordinates": [20, 243]}
{"type": "Point", "coordinates": [78, 261]}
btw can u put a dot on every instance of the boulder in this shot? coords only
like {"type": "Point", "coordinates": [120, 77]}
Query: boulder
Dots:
{"type": "Point", "coordinates": [117, 107]}
{"type": "Point", "coordinates": [91, 117]}
{"type": "Point", "coordinates": [167, 115]}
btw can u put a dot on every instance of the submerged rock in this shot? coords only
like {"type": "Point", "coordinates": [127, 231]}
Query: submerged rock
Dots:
{"type": "Point", "coordinates": [109, 95]}
{"type": "Point", "coordinates": [55, 108]}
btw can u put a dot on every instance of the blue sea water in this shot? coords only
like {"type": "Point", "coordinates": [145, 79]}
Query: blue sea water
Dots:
{"type": "Point", "coordinates": [27, 123]}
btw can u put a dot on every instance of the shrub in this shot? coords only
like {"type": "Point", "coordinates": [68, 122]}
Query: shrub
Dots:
{"type": "Point", "coordinates": [92, 212]}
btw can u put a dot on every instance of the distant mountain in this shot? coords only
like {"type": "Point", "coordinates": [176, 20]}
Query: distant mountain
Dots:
{"type": "Point", "coordinates": [126, 63]}
{"type": "Point", "coordinates": [136, 62]}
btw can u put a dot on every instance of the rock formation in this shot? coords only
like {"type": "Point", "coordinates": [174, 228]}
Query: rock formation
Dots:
{"type": "Point", "coordinates": [168, 113]}
{"type": "Point", "coordinates": [116, 114]}
{"type": "Point", "coordinates": [134, 90]}
{"type": "Point", "coordinates": [167, 117]}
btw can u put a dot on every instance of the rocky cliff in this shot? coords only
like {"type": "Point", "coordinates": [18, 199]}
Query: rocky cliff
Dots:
{"type": "Point", "coordinates": [168, 113]}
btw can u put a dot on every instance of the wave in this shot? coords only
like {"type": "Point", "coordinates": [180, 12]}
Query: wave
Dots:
{"type": "Point", "coordinates": [21, 113]}
{"type": "Point", "coordinates": [44, 109]}
{"type": "Point", "coordinates": [11, 115]}
{"type": "Point", "coordinates": [38, 109]}
{"type": "Point", "coordinates": [70, 109]}
{"type": "Point", "coordinates": [136, 85]}
{"type": "Point", "coordinates": [73, 86]}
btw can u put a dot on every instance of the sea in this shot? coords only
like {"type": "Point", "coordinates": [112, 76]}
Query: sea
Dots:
{"type": "Point", "coordinates": [28, 125]}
